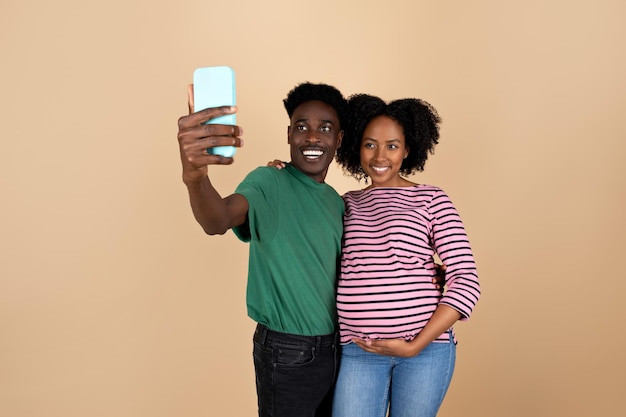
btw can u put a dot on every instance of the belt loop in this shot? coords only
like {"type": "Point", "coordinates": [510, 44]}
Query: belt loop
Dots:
{"type": "Point", "coordinates": [266, 330]}
{"type": "Point", "coordinates": [318, 344]}
{"type": "Point", "coordinates": [262, 333]}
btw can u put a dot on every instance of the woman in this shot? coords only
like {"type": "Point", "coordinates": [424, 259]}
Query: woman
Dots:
{"type": "Point", "coordinates": [398, 346]}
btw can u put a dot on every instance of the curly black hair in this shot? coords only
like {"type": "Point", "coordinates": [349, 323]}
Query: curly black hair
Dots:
{"type": "Point", "coordinates": [418, 119]}
{"type": "Point", "coordinates": [323, 92]}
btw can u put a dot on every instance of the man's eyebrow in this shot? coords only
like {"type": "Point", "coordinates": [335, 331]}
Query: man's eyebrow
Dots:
{"type": "Point", "coordinates": [324, 121]}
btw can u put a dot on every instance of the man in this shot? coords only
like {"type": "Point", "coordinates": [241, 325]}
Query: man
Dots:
{"type": "Point", "coordinates": [293, 221]}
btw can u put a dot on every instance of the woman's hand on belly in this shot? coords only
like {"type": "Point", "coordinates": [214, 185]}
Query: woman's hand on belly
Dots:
{"type": "Point", "coordinates": [389, 347]}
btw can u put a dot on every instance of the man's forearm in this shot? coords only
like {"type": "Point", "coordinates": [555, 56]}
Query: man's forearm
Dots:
{"type": "Point", "coordinates": [209, 208]}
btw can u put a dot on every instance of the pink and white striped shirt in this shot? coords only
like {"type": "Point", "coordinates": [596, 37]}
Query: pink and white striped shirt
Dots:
{"type": "Point", "coordinates": [385, 286]}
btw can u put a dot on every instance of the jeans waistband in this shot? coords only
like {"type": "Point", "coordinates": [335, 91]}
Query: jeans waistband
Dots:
{"type": "Point", "coordinates": [263, 334]}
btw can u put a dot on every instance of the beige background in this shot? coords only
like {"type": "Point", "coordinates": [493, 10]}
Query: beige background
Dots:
{"type": "Point", "coordinates": [114, 303]}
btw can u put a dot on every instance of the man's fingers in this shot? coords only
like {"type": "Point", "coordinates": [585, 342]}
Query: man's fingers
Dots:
{"type": "Point", "coordinates": [203, 116]}
{"type": "Point", "coordinates": [199, 154]}
{"type": "Point", "coordinates": [221, 130]}
{"type": "Point", "coordinates": [209, 136]}
{"type": "Point", "coordinates": [213, 112]}
{"type": "Point", "coordinates": [217, 159]}
{"type": "Point", "coordinates": [192, 146]}
{"type": "Point", "coordinates": [216, 141]}
{"type": "Point", "coordinates": [194, 125]}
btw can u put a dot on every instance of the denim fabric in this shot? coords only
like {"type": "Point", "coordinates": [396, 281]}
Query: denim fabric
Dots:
{"type": "Point", "coordinates": [369, 383]}
{"type": "Point", "coordinates": [295, 374]}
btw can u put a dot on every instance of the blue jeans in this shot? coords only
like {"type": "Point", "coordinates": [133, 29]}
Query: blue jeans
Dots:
{"type": "Point", "coordinates": [295, 374]}
{"type": "Point", "coordinates": [369, 383]}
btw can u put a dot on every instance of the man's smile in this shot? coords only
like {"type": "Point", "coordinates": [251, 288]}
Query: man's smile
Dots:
{"type": "Point", "coordinates": [312, 154]}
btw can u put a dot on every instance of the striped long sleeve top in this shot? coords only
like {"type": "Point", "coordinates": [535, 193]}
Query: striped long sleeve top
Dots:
{"type": "Point", "coordinates": [385, 287]}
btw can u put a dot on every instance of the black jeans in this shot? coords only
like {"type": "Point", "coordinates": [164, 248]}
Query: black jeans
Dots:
{"type": "Point", "coordinates": [295, 375]}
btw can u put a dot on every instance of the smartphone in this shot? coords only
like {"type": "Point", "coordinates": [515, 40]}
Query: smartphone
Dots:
{"type": "Point", "coordinates": [215, 87]}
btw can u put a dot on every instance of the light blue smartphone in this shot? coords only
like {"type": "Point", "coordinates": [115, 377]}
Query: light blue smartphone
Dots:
{"type": "Point", "coordinates": [215, 87]}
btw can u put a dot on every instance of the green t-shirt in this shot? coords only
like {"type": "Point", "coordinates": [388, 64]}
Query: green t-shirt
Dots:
{"type": "Point", "coordinates": [294, 227]}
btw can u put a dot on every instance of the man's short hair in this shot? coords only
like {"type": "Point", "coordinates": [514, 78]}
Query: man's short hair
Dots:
{"type": "Point", "coordinates": [328, 94]}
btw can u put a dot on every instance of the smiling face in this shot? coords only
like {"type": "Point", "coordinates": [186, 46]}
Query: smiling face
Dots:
{"type": "Point", "coordinates": [314, 135]}
{"type": "Point", "coordinates": [383, 149]}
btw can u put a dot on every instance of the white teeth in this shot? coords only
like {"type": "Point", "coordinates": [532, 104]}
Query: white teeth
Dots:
{"type": "Point", "coordinates": [312, 153]}
{"type": "Point", "coordinates": [380, 169]}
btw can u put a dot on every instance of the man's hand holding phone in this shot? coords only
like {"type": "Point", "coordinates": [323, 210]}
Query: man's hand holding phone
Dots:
{"type": "Point", "coordinates": [196, 139]}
